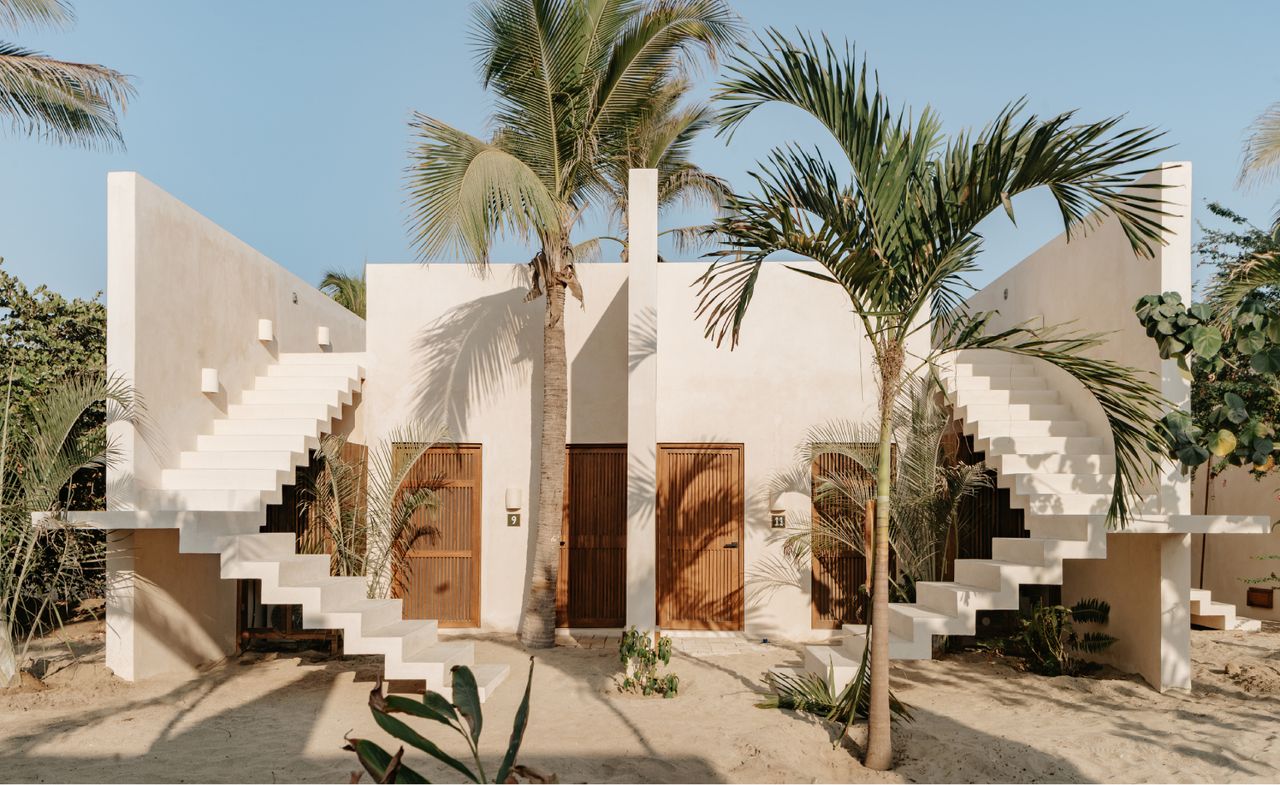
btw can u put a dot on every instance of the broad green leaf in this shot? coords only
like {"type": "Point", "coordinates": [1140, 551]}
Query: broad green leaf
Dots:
{"type": "Point", "coordinates": [1235, 408]}
{"type": "Point", "coordinates": [1201, 312]}
{"type": "Point", "coordinates": [399, 703]}
{"type": "Point", "coordinates": [517, 730]}
{"type": "Point", "coordinates": [466, 696]}
{"type": "Point", "coordinates": [1250, 342]}
{"type": "Point", "coordinates": [1192, 455]}
{"type": "Point", "coordinates": [1206, 341]}
{"type": "Point", "coordinates": [1222, 443]}
{"type": "Point", "coordinates": [1266, 362]}
{"type": "Point", "coordinates": [410, 736]}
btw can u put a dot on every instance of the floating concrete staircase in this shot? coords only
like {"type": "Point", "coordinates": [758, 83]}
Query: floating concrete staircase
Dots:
{"type": "Point", "coordinates": [1206, 612]}
{"type": "Point", "coordinates": [217, 499]}
{"type": "Point", "coordinates": [1057, 471]}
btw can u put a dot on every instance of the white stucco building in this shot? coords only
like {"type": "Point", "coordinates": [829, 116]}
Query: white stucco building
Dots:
{"type": "Point", "coordinates": [672, 443]}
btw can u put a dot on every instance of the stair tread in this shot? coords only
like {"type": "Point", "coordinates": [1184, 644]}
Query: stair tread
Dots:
{"type": "Point", "coordinates": [437, 651]}
{"type": "Point", "coordinates": [400, 629]}
{"type": "Point", "coordinates": [918, 611]}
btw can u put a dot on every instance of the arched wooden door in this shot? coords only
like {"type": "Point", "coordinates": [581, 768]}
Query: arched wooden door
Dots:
{"type": "Point", "coordinates": [700, 536]}
{"type": "Point", "coordinates": [592, 581]}
{"type": "Point", "coordinates": [442, 576]}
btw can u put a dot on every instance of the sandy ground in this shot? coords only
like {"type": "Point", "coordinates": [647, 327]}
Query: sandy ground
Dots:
{"type": "Point", "coordinates": [260, 719]}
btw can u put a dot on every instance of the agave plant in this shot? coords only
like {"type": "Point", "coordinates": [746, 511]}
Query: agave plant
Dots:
{"type": "Point", "coordinates": [463, 715]}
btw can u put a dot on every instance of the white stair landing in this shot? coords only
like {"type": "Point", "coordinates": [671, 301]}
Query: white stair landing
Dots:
{"type": "Point", "coordinates": [1207, 612]}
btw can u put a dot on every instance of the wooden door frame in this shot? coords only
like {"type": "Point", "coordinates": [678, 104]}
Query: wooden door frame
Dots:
{"type": "Point", "coordinates": [477, 530]}
{"type": "Point", "coordinates": [659, 537]}
{"type": "Point", "coordinates": [562, 579]}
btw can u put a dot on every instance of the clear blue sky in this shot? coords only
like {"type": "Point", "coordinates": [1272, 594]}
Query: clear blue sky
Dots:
{"type": "Point", "coordinates": [285, 122]}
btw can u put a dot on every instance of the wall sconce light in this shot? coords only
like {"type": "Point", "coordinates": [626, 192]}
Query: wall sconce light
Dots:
{"type": "Point", "coordinates": [777, 512]}
{"type": "Point", "coordinates": [266, 331]}
{"type": "Point", "coordinates": [322, 335]}
{"type": "Point", "coordinates": [515, 501]}
{"type": "Point", "coordinates": [208, 380]}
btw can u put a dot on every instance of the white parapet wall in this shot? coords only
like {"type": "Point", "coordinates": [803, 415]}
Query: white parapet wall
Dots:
{"type": "Point", "coordinates": [183, 296]}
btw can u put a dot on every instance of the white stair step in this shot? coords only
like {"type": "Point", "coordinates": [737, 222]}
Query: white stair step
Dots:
{"type": "Point", "coordinates": [411, 634]}
{"type": "Point", "coordinates": [238, 479]}
{"type": "Point", "coordinates": [278, 460]}
{"type": "Point", "coordinates": [257, 442]}
{"type": "Point", "coordinates": [212, 499]}
{"type": "Point", "coordinates": [992, 429]}
{"type": "Point", "coordinates": [1044, 482]}
{"type": "Point", "coordinates": [959, 383]}
{"type": "Point", "coordinates": [994, 370]}
{"type": "Point", "coordinates": [952, 599]}
{"type": "Point", "coordinates": [342, 384]}
{"type": "Point", "coordinates": [1039, 445]}
{"type": "Point", "coordinates": [360, 615]}
{"type": "Point", "coordinates": [320, 396]}
{"type": "Point", "coordinates": [1016, 411]}
{"type": "Point", "coordinates": [907, 620]}
{"type": "Point", "coordinates": [1051, 463]}
{"type": "Point", "coordinates": [1006, 576]}
{"type": "Point", "coordinates": [321, 358]}
{"type": "Point", "coordinates": [278, 411]}
{"type": "Point", "coordinates": [432, 663]}
{"type": "Point", "coordinates": [488, 677]}
{"type": "Point", "coordinates": [298, 426]}
{"type": "Point", "coordinates": [1063, 504]}
{"type": "Point", "coordinates": [900, 647]}
{"type": "Point", "coordinates": [256, 548]}
{"type": "Point", "coordinates": [327, 592]}
{"type": "Point", "coordinates": [1004, 397]}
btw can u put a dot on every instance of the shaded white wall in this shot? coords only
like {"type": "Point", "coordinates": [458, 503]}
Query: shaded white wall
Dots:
{"type": "Point", "coordinates": [1219, 561]}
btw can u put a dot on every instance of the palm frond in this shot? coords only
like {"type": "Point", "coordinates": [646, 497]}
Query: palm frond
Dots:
{"type": "Point", "coordinates": [1260, 158]}
{"type": "Point", "coordinates": [347, 289]}
{"type": "Point", "coordinates": [68, 103]}
{"type": "Point", "coordinates": [463, 192]}
{"type": "Point", "coordinates": [41, 13]}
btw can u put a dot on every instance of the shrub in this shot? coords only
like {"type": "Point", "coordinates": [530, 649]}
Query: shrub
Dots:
{"type": "Point", "coordinates": [640, 659]}
{"type": "Point", "coordinates": [1053, 646]}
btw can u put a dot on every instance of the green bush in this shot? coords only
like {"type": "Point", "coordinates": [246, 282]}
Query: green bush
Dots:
{"type": "Point", "coordinates": [1053, 646]}
{"type": "Point", "coordinates": [640, 659]}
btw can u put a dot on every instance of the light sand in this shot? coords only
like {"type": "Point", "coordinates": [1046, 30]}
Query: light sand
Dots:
{"type": "Point", "coordinates": [283, 719]}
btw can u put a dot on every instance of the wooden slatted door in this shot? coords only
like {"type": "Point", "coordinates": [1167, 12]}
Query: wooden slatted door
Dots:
{"type": "Point", "coordinates": [839, 571]}
{"type": "Point", "coordinates": [700, 536]}
{"type": "Point", "coordinates": [592, 583]}
{"type": "Point", "coordinates": [442, 576]}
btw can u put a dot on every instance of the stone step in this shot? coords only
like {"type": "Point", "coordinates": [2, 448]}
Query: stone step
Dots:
{"type": "Point", "coordinates": [278, 460]}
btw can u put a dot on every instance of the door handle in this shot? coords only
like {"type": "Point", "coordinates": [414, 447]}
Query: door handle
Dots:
{"type": "Point", "coordinates": [732, 545]}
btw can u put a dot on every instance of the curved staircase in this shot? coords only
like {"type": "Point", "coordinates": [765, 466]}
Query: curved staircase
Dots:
{"type": "Point", "coordinates": [1058, 472]}
{"type": "Point", "coordinates": [217, 499]}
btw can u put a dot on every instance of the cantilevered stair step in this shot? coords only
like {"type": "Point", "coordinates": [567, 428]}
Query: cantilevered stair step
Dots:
{"type": "Point", "coordinates": [321, 396]}
{"type": "Point", "coordinates": [283, 411]}
{"type": "Point", "coordinates": [1016, 411]}
{"type": "Point", "coordinates": [968, 398]}
{"type": "Point", "coordinates": [908, 620]}
{"type": "Point", "coordinates": [1039, 445]}
{"type": "Point", "coordinates": [952, 598]}
{"type": "Point", "coordinates": [239, 478]}
{"type": "Point", "coordinates": [1047, 482]}
{"type": "Point", "coordinates": [1062, 504]}
{"type": "Point", "coordinates": [959, 383]}
{"type": "Point", "coordinates": [488, 677]}
{"type": "Point", "coordinates": [279, 460]}
{"type": "Point", "coordinates": [298, 426]}
{"type": "Point", "coordinates": [1010, 465]}
{"type": "Point", "coordinates": [211, 499]}
{"type": "Point", "coordinates": [1006, 575]}
{"type": "Point", "coordinates": [995, 429]}
{"type": "Point", "coordinates": [345, 384]}
{"type": "Point", "coordinates": [256, 442]}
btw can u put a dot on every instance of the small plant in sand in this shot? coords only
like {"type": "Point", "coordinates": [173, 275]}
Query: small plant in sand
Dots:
{"type": "Point", "coordinates": [640, 654]}
{"type": "Point", "coordinates": [463, 716]}
{"type": "Point", "coordinates": [1053, 646]}
{"type": "Point", "coordinates": [812, 694]}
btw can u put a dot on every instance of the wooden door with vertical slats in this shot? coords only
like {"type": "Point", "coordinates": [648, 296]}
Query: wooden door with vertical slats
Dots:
{"type": "Point", "coordinates": [700, 536]}
{"type": "Point", "coordinates": [591, 588]}
{"type": "Point", "coordinates": [839, 571]}
{"type": "Point", "coordinates": [442, 576]}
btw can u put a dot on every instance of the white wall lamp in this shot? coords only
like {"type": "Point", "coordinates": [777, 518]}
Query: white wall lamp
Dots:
{"type": "Point", "coordinates": [209, 380]}
{"type": "Point", "coordinates": [322, 335]}
{"type": "Point", "coordinates": [515, 503]}
{"type": "Point", "coordinates": [266, 331]}
{"type": "Point", "coordinates": [777, 512]}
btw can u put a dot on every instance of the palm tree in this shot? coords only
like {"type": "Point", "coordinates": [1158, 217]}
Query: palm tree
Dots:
{"type": "Point", "coordinates": [346, 289]}
{"type": "Point", "coordinates": [663, 141]}
{"type": "Point", "coordinates": [898, 235]}
{"type": "Point", "coordinates": [39, 460]}
{"type": "Point", "coordinates": [573, 81]}
{"type": "Point", "coordinates": [67, 103]}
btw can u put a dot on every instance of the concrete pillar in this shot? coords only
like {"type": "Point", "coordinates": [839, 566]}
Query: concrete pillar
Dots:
{"type": "Point", "coordinates": [1146, 578]}
{"type": "Point", "coordinates": [1175, 276]}
{"type": "Point", "coordinates": [642, 392]}
{"type": "Point", "coordinates": [167, 612]}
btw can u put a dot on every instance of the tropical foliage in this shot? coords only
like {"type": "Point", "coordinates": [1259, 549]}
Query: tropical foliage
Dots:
{"type": "Point", "coordinates": [42, 566]}
{"type": "Point", "coordinates": [1052, 644]}
{"type": "Point", "coordinates": [640, 656]}
{"type": "Point", "coordinates": [1261, 155]}
{"type": "Point", "coordinates": [893, 223]}
{"type": "Point", "coordinates": [463, 715]}
{"type": "Point", "coordinates": [57, 100]}
{"type": "Point", "coordinates": [575, 83]}
{"type": "Point", "coordinates": [347, 289]}
{"type": "Point", "coordinates": [810, 693]}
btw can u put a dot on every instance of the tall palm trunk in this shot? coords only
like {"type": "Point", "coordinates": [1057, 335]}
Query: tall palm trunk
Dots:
{"type": "Point", "coordinates": [879, 741]}
{"type": "Point", "coordinates": [538, 628]}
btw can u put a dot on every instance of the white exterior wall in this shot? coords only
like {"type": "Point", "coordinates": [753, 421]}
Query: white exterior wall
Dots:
{"type": "Point", "coordinates": [802, 361]}
{"type": "Point", "coordinates": [1219, 561]}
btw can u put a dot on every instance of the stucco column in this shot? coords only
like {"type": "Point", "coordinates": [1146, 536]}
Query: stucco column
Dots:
{"type": "Point", "coordinates": [642, 396]}
{"type": "Point", "coordinates": [1175, 276]}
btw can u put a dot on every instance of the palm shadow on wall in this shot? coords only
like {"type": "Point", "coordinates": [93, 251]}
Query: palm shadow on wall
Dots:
{"type": "Point", "coordinates": [472, 353]}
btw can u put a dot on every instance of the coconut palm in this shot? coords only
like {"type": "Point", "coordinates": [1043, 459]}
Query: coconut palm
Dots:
{"type": "Point", "coordinates": [346, 289]}
{"type": "Point", "coordinates": [1261, 154]}
{"type": "Point", "coordinates": [663, 141]}
{"type": "Point", "coordinates": [39, 459]}
{"type": "Point", "coordinates": [65, 102]}
{"type": "Point", "coordinates": [897, 232]}
{"type": "Point", "coordinates": [573, 80]}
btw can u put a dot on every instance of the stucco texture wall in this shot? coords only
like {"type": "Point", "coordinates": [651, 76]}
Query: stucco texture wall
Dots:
{"type": "Point", "coordinates": [1219, 561]}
